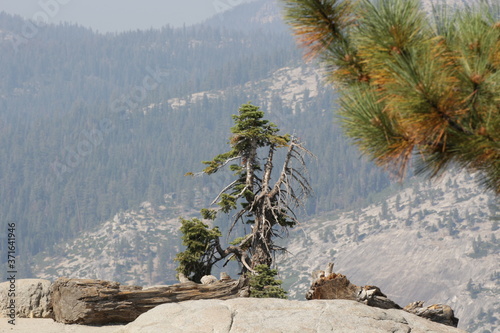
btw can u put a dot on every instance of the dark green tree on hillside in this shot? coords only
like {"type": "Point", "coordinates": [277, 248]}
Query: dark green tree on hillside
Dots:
{"type": "Point", "coordinates": [411, 85]}
{"type": "Point", "coordinates": [252, 198]}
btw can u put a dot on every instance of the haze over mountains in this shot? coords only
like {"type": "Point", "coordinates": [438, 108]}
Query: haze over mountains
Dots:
{"type": "Point", "coordinates": [81, 147]}
{"type": "Point", "coordinates": [118, 16]}
{"type": "Point", "coordinates": [93, 126]}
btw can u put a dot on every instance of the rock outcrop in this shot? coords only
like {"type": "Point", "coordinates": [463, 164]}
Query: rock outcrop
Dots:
{"type": "Point", "coordinates": [277, 315]}
{"type": "Point", "coordinates": [337, 286]}
{"type": "Point", "coordinates": [97, 302]}
{"type": "Point", "coordinates": [208, 279]}
{"type": "Point", "coordinates": [32, 298]}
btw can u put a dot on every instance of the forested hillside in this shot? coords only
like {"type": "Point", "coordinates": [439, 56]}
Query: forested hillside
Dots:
{"type": "Point", "coordinates": [89, 126]}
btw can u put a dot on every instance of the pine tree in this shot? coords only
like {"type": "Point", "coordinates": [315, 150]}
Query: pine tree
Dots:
{"type": "Point", "coordinates": [252, 197]}
{"type": "Point", "coordinates": [200, 242]}
{"type": "Point", "coordinates": [411, 84]}
{"type": "Point", "coordinates": [265, 285]}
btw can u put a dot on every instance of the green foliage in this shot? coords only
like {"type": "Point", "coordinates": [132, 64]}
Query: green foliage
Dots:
{"type": "Point", "coordinates": [265, 285]}
{"type": "Point", "coordinates": [238, 240]}
{"type": "Point", "coordinates": [208, 214]}
{"type": "Point", "coordinates": [251, 129]}
{"type": "Point", "coordinates": [199, 256]}
{"type": "Point", "coordinates": [412, 83]}
{"type": "Point", "coordinates": [249, 133]}
{"type": "Point", "coordinates": [227, 202]}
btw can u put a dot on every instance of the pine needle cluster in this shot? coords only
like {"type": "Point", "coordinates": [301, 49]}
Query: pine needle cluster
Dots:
{"type": "Point", "coordinates": [265, 285]}
{"type": "Point", "coordinates": [415, 86]}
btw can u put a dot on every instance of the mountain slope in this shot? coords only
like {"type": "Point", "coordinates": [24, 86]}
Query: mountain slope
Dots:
{"type": "Point", "coordinates": [71, 158]}
{"type": "Point", "coordinates": [260, 15]}
{"type": "Point", "coordinates": [134, 247]}
{"type": "Point", "coordinates": [293, 94]}
{"type": "Point", "coordinates": [76, 150]}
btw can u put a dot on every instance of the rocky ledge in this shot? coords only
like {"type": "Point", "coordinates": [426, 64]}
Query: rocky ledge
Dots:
{"type": "Point", "coordinates": [233, 315]}
{"type": "Point", "coordinates": [276, 315]}
{"type": "Point", "coordinates": [253, 315]}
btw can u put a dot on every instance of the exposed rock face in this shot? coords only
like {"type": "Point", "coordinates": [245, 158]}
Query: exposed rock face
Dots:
{"type": "Point", "coordinates": [372, 296]}
{"type": "Point", "coordinates": [32, 297]}
{"type": "Point", "coordinates": [277, 315]}
{"type": "Point", "coordinates": [96, 302]}
{"type": "Point", "coordinates": [85, 301]}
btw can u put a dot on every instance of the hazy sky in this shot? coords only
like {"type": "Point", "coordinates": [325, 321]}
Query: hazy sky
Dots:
{"type": "Point", "coordinates": [118, 15]}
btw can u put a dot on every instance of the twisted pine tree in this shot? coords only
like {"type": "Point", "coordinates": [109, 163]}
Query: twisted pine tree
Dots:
{"type": "Point", "coordinates": [411, 84]}
{"type": "Point", "coordinates": [267, 205]}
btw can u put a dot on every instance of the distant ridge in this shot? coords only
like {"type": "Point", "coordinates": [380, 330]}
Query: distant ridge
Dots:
{"type": "Point", "coordinates": [251, 15]}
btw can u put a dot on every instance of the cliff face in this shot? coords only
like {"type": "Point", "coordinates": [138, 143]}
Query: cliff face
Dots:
{"type": "Point", "coordinates": [276, 315]}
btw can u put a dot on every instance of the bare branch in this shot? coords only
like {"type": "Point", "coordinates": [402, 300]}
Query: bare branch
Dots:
{"type": "Point", "coordinates": [295, 151]}
{"type": "Point", "coordinates": [237, 251]}
{"type": "Point", "coordinates": [224, 190]}
{"type": "Point", "coordinates": [227, 161]}
{"type": "Point", "coordinates": [236, 218]}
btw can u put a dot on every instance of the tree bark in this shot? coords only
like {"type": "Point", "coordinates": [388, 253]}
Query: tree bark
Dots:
{"type": "Point", "coordinates": [97, 302]}
{"type": "Point", "coordinates": [334, 286]}
{"type": "Point", "coordinates": [262, 243]}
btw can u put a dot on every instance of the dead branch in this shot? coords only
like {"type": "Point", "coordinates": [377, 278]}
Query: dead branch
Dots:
{"type": "Point", "coordinates": [224, 190]}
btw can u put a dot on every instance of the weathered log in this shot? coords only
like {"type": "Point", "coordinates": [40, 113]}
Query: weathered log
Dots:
{"type": "Point", "coordinates": [334, 286]}
{"type": "Point", "coordinates": [438, 313]}
{"type": "Point", "coordinates": [97, 302]}
{"type": "Point", "coordinates": [337, 286]}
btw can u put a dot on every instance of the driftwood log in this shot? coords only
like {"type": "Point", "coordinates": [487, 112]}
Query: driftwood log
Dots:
{"type": "Point", "coordinates": [337, 286]}
{"type": "Point", "coordinates": [98, 302]}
